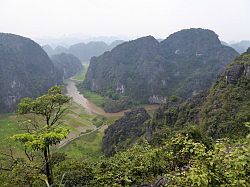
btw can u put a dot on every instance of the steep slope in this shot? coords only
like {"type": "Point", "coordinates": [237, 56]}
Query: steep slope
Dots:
{"type": "Point", "coordinates": [148, 71]}
{"type": "Point", "coordinates": [221, 112]}
{"type": "Point", "coordinates": [117, 69]}
{"type": "Point", "coordinates": [124, 131]}
{"type": "Point", "coordinates": [228, 104]}
{"type": "Point", "coordinates": [25, 70]}
{"type": "Point", "coordinates": [67, 65]}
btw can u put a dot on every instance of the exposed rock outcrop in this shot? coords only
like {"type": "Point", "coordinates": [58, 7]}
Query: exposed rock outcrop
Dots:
{"type": "Point", "coordinates": [234, 73]}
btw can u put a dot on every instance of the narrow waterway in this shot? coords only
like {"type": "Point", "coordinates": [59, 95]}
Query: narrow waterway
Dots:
{"type": "Point", "coordinates": [91, 107]}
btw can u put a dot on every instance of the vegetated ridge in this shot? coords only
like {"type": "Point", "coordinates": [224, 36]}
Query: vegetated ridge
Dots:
{"type": "Point", "coordinates": [146, 71]}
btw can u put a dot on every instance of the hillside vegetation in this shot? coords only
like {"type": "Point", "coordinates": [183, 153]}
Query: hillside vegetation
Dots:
{"type": "Point", "coordinates": [146, 71]}
{"type": "Point", "coordinates": [201, 141]}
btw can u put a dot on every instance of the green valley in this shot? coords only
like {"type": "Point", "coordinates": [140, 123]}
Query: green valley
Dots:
{"type": "Point", "coordinates": [124, 93]}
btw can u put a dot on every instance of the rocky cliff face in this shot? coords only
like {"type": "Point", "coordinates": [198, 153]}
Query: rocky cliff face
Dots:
{"type": "Point", "coordinates": [124, 131]}
{"type": "Point", "coordinates": [148, 71]}
{"type": "Point", "coordinates": [25, 70]}
{"type": "Point", "coordinates": [67, 65]}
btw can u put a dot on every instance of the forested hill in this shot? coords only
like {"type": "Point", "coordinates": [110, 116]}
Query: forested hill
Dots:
{"type": "Point", "coordinates": [25, 70]}
{"type": "Point", "coordinates": [203, 141]}
{"type": "Point", "coordinates": [218, 113]}
{"type": "Point", "coordinates": [145, 70]}
{"type": "Point", "coordinates": [221, 112]}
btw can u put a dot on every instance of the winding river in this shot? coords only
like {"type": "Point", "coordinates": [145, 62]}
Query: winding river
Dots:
{"type": "Point", "coordinates": [91, 107]}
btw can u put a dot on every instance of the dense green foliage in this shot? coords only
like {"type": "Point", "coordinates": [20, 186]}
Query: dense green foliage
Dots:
{"type": "Point", "coordinates": [40, 136]}
{"type": "Point", "coordinates": [124, 131]}
{"type": "Point", "coordinates": [180, 161]}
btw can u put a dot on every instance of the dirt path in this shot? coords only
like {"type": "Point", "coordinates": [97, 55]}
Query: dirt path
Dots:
{"type": "Point", "coordinates": [91, 107]}
{"type": "Point", "coordinates": [70, 139]}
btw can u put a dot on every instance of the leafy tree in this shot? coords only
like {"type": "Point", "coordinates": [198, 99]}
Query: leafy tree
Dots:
{"type": "Point", "coordinates": [39, 138]}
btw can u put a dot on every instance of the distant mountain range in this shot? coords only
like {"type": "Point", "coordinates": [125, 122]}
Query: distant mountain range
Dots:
{"type": "Point", "coordinates": [72, 39]}
{"type": "Point", "coordinates": [240, 47]}
{"type": "Point", "coordinates": [83, 51]}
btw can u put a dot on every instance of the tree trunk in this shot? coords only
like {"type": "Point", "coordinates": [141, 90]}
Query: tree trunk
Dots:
{"type": "Point", "coordinates": [48, 170]}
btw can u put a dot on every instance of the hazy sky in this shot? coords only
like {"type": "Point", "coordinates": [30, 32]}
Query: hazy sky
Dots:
{"type": "Point", "coordinates": [230, 19]}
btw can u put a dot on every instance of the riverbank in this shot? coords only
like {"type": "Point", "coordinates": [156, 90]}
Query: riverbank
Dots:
{"type": "Point", "coordinates": [91, 107]}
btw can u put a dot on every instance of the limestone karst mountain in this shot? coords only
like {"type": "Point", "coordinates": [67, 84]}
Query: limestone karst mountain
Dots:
{"type": "Point", "coordinates": [149, 71]}
{"type": "Point", "coordinates": [25, 70]}
{"type": "Point", "coordinates": [220, 112]}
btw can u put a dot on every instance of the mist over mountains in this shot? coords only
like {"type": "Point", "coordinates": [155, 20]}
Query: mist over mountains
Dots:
{"type": "Point", "coordinates": [199, 87]}
{"type": "Point", "coordinates": [72, 39]}
{"type": "Point", "coordinates": [124, 93]}
{"type": "Point", "coordinates": [241, 46]}
{"type": "Point", "coordinates": [84, 51]}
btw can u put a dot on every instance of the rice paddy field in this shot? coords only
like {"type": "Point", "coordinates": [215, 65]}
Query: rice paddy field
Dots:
{"type": "Point", "coordinates": [83, 141]}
